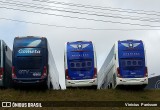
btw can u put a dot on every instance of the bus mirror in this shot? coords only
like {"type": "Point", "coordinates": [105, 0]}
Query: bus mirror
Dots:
{"type": "Point", "coordinates": [6, 48]}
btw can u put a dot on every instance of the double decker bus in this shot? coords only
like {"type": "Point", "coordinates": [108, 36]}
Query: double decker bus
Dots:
{"type": "Point", "coordinates": [80, 64]}
{"type": "Point", "coordinates": [124, 65]}
{"type": "Point", "coordinates": [30, 60]}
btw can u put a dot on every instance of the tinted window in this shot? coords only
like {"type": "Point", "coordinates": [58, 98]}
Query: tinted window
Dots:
{"type": "Point", "coordinates": [26, 42]}
{"type": "Point", "coordinates": [29, 62]}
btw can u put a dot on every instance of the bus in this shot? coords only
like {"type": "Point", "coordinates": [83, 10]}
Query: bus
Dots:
{"type": "Point", "coordinates": [80, 64]}
{"type": "Point", "coordinates": [125, 65]}
{"type": "Point", "coordinates": [5, 65]}
{"type": "Point", "coordinates": [30, 61]}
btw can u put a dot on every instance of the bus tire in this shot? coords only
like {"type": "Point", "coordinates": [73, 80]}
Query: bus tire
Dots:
{"type": "Point", "coordinates": [7, 81]}
{"type": "Point", "coordinates": [44, 85]}
{"type": "Point", "coordinates": [110, 85]}
{"type": "Point", "coordinates": [114, 81]}
{"type": "Point", "coordinates": [50, 86]}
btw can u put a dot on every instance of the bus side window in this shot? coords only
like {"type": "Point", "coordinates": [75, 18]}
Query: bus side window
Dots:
{"type": "Point", "coordinates": [6, 48]}
{"type": "Point", "coordinates": [115, 56]}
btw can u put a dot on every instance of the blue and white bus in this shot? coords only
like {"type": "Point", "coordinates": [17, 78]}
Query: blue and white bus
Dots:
{"type": "Point", "coordinates": [5, 65]}
{"type": "Point", "coordinates": [30, 60]}
{"type": "Point", "coordinates": [125, 65]}
{"type": "Point", "coordinates": [80, 64]}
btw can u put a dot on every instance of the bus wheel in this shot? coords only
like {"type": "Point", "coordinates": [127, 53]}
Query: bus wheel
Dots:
{"type": "Point", "coordinates": [7, 81]}
{"type": "Point", "coordinates": [110, 85]}
{"type": "Point", "coordinates": [44, 85]}
{"type": "Point", "coordinates": [50, 86]}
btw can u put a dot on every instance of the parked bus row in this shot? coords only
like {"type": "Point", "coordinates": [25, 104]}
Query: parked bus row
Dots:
{"type": "Point", "coordinates": [32, 62]}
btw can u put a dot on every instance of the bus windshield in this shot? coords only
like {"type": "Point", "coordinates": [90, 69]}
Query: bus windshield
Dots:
{"type": "Point", "coordinates": [29, 62]}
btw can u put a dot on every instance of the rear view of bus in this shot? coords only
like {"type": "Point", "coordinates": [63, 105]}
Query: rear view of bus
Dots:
{"type": "Point", "coordinates": [30, 60]}
{"type": "Point", "coordinates": [80, 64]}
{"type": "Point", "coordinates": [132, 68]}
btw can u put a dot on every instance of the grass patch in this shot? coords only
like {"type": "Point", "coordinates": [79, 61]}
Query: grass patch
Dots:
{"type": "Point", "coordinates": [80, 95]}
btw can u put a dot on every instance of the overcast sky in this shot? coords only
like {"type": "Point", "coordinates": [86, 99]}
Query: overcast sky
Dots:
{"type": "Point", "coordinates": [117, 14]}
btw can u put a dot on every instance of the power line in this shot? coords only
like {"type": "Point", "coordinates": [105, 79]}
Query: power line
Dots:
{"type": "Point", "coordinates": [99, 15]}
{"type": "Point", "coordinates": [84, 10]}
{"type": "Point", "coordinates": [81, 18]}
{"type": "Point", "coordinates": [46, 24]}
{"type": "Point", "coordinates": [72, 27]}
{"type": "Point", "coordinates": [103, 8]}
{"type": "Point", "coordinates": [152, 11]}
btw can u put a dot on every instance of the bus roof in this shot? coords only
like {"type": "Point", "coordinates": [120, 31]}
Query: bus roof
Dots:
{"type": "Point", "coordinates": [130, 40]}
{"type": "Point", "coordinates": [130, 45]}
{"type": "Point", "coordinates": [30, 41]}
{"type": "Point", "coordinates": [80, 46]}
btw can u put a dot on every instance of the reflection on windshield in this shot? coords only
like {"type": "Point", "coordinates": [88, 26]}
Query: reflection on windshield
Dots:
{"type": "Point", "coordinates": [34, 43]}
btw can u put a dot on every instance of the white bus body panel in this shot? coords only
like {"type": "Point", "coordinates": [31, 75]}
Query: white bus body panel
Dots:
{"type": "Point", "coordinates": [53, 74]}
{"type": "Point", "coordinates": [132, 81]}
{"type": "Point", "coordinates": [1, 80]}
{"type": "Point", "coordinates": [81, 83]}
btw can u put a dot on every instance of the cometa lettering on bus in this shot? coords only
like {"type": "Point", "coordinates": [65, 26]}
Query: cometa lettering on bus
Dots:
{"type": "Point", "coordinates": [29, 51]}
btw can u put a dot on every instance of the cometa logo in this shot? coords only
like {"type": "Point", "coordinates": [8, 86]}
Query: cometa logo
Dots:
{"type": "Point", "coordinates": [21, 51]}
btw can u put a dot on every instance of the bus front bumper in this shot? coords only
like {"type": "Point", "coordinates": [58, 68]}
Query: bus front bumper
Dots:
{"type": "Point", "coordinates": [132, 81]}
{"type": "Point", "coordinates": [81, 83]}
